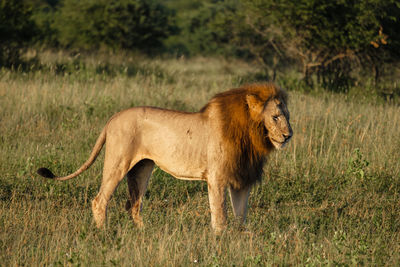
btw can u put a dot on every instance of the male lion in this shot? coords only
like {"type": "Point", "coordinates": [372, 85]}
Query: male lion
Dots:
{"type": "Point", "coordinates": [224, 144]}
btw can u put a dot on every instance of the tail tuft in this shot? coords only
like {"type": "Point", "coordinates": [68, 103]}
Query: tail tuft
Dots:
{"type": "Point", "coordinates": [45, 173]}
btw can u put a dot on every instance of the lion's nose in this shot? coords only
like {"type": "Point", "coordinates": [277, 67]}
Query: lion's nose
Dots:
{"type": "Point", "coordinates": [288, 136]}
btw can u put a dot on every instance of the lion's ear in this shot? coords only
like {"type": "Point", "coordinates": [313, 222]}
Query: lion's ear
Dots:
{"type": "Point", "coordinates": [255, 105]}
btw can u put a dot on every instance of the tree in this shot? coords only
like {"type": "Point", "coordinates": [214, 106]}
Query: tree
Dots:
{"type": "Point", "coordinates": [325, 37]}
{"type": "Point", "coordinates": [43, 15]}
{"type": "Point", "coordinates": [128, 24]}
{"type": "Point", "coordinates": [16, 31]}
{"type": "Point", "coordinates": [202, 27]}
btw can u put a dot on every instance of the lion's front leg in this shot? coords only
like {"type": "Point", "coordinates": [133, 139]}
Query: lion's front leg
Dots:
{"type": "Point", "coordinates": [216, 196]}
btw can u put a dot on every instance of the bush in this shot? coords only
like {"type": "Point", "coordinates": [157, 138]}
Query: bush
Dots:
{"type": "Point", "coordinates": [326, 38]}
{"type": "Point", "coordinates": [16, 31]}
{"type": "Point", "coordinates": [203, 27]}
{"type": "Point", "coordinates": [126, 24]}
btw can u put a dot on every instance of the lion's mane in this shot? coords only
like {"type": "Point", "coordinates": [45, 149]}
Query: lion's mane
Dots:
{"type": "Point", "coordinates": [244, 139]}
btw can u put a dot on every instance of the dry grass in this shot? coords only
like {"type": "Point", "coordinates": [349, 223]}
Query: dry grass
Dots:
{"type": "Point", "coordinates": [331, 197]}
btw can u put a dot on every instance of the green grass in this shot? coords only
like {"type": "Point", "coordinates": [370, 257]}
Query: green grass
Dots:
{"type": "Point", "coordinates": [331, 197]}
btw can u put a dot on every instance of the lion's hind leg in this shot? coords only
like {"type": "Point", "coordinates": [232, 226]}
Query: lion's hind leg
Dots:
{"type": "Point", "coordinates": [138, 178]}
{"type": "Point", "coordinates": [115, 169]}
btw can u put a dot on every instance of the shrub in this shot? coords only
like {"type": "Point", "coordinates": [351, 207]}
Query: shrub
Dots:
{"type": "Point", "coordinates": [126, 24]}
{"type": "Point", "coordinates": [326, 38]}
{"type": "Point", "coordinates": [16, 31]}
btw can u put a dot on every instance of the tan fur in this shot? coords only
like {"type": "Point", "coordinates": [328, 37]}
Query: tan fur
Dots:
{"type": "Point", "coordinates": [224, 144]}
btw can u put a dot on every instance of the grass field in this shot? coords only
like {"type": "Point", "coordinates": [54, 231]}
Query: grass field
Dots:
{"type": "Point", "coordinates": [331, 197]}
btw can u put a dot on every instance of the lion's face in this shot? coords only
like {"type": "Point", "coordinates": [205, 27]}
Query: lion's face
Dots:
{"type": "Point", "coordinates": [275, 116]}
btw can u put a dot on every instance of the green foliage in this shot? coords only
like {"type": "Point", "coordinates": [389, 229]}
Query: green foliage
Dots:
{"type": "Point", "coordinates": [327, 38]}
{"type": "Point", "coordinates": [87, 25]}
{"type": "Point", "coordinates": [357, 165]}
{"type": "Point", "coordinates": [202, 27]}
{"type": "Point", "coordinates": [16, 31]}
{"type": "Point", "coordinates": [127, 24]}
{"type": "Point", "coordinates": [334, 45]}
{"type": "Point", "coordinates": [43, 15]}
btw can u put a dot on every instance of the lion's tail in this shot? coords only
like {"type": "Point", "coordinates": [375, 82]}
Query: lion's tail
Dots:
{"type": "Point", "coordinates": [95, 152]}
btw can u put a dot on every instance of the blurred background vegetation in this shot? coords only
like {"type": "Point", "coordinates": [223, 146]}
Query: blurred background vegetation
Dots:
{"type": "Point", "coordinates": [325, 45]}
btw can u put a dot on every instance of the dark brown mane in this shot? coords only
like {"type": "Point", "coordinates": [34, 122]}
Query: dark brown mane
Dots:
{"type": "Point", "coordinates": [246, 141]}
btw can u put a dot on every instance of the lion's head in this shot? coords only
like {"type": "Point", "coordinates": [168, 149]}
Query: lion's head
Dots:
{"type": "Point", "coordinates": [274, 115]}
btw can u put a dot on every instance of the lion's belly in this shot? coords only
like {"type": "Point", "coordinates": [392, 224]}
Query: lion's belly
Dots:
{"type": "Point", "coordinates": [179, 150]}
{"type": "Point", "coordinates": [182, 174]}
{"type": "Point", "coordinates": [182, 161]}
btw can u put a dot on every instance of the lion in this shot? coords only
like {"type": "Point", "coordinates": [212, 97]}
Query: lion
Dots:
{"type": "Point", "coordinates": [225, 144]}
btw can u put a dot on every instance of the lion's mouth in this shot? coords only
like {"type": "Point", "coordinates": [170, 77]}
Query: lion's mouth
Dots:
{"type": "Point", "coordinates": [276, 141]}
{"type": "Point", "coordinates": [278, 144]}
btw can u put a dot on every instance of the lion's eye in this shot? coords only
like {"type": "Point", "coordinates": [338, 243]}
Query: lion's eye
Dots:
{"type": "Point", "coordinates": [275, 118]}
